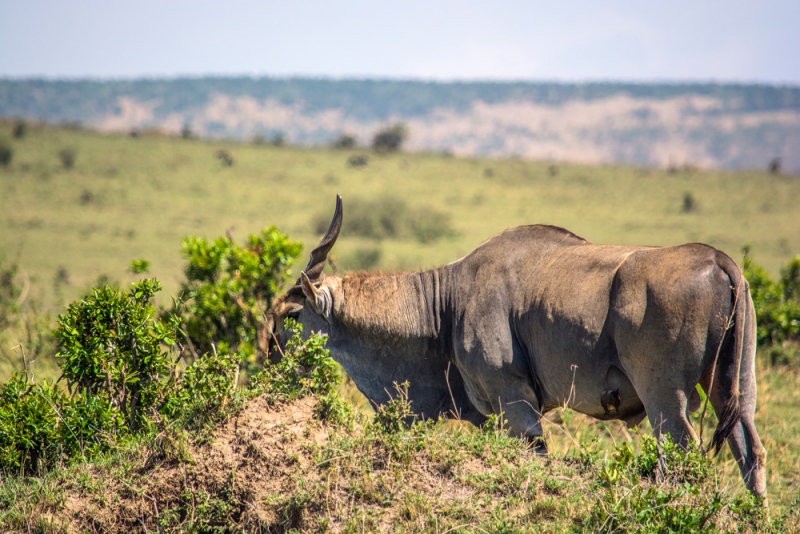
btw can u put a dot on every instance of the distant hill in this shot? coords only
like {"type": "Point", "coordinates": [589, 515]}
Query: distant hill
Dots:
{"type": "Point", "coordinates": [658, 124]}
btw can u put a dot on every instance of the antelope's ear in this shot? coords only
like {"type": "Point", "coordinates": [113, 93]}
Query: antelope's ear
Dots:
{"type": "Point", "coordinates": [318, 298]}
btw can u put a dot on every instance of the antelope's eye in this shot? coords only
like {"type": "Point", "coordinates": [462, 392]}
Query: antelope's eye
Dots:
{"type": "Point", "coordinates": [294, 315]}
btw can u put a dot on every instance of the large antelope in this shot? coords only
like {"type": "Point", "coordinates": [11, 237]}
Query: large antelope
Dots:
{"type": "Point", "coordinates": [537, 317]}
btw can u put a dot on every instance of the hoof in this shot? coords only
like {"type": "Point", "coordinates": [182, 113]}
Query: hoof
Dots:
{"type": "Point", "coordinates": [538, 445]}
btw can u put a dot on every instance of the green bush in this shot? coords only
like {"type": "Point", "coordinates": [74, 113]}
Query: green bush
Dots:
{"type": "Point", "coordinates": [777, 304]}
{"type": "Point", "coordinates": [383, 218]}
{"type": "Point", "coordinates": [790, 280]}
{"type": "Point", "coordinates": [228, 288]}
{"type": "Point", "coordinates": [122, 373]}
{"type": "Point", "coordinates": [141, 266]}
{"type": "Point", "coordinates": [90, 424]}
{"type": "Point", "coordinates": [41, 426]}
{"type": "Point", "coordinates": [306, 368]}
{"type": "Point", "coordinates": [67, 157]}
{"type": "Point", "coordinates": [395, 415]}
{"type": "Point", "coordinates": [277, 140]}
{"type": "Point", "coordinates": [344, 142]}
{"type": "Point", "coordinates": [20, 129]}
{"type": "Point", "coordinates": [29, 426]}
{"type": "Point", "coordinates": [333, 409]}
{"type": "Point", "coordinates": [358, 160]}
{"type": "Point", "coordinates": [635, 496]}
{"type": "Point", "coordinates": [112, 343]}
{"type": "Point", "coordinates": [201, 392]}
{"type": "Point", "coordinates": [224, 157]}
{"type": "Point", "coordinates": [391, 138]}
{"type": "Point", "coordinates": [6, 152]}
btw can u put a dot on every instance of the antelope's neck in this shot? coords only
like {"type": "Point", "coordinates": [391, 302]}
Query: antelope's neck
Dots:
{"type": "Point", "coordinates": [393, 307]}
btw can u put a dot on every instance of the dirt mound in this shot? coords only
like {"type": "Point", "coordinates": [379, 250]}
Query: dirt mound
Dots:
{"type": "Point", "coordinates": [278, 468]}
{"type": "Point", "coordinates": [230, 479]}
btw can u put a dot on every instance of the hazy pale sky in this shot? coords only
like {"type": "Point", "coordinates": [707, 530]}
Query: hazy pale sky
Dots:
{"type": "Point", "coordinates": [737, 40]}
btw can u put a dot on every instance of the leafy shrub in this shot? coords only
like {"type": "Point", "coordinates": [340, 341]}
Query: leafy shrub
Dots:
{"type": "Point", "coordinates": [790, 279]}
{"type": "Point", "coordinates": [202, 391]}
{"type": "Point", "coordinates": [357, 160]}
{"type": "Point", "coordinates": [689, 203]}
{"type": "Point", "coordinates": [635, 496]}
{"type": "Point", "coordinates": [333, 409]}
{"type": "Point", "coordinates": [394, 416]}
{"type": "Point", "coordinates": [777, 304]}
{"type": "Point", "coordinates": [67, 157]}
{"type": "Point", "coordinates": [228, 288]}
{"type": "Point", "coordinates": [40, 426]}
{"type": "Point", "coordinates": [87, 197]}
{"type": "Point", "coordinates": [111, 343]}
{"type": "Point", "coordinates": [774, 166]}
{"type": "Point", "coordinates": [344, 142]}
{"type": "Point", "coordinates": [391, 138]}
{"type": "Point", "coordinates": [306, 368]}
{"type": "Point", "coordinates": [139, 266]}
{"type": "Point", "coordinates": [396, 433]}
{"type": "Point", "coordinates": [29, 425]}
{"type": "Point", "coordinates": [495, 423]}
{"type": "Point", "coordinates": [20, 129]}
{"type": "Point", "coordinates": [224, 157]}
{"type": "Point", "coordinates": [6, 152]}
{"type": "Point", "coordinates": [90, 424]}
{"type": "Point", "coordinates": [278, 140]}
{"type": "Point", "coordinates": [378, 219]}
{"type": "Point", "coordinates": [120, 374]}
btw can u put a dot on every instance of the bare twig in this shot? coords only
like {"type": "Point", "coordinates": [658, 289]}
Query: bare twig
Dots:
{"type": "Point", "coordinates": [278, 345]}
{"type": "Point", "coordinates": [26, 281]}
{"type": "Point", "coordinates": [191, 346]}
{"type": "Point", "coordinates": [571, 395]}
{"type": "Point", "coordinates": [28, 373]}
{"type": "Point", "coordinates": [455, 411]}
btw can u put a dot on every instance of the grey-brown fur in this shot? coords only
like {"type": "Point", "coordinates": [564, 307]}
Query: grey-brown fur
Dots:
{"type": "Point", "coordinates": [537, 317]}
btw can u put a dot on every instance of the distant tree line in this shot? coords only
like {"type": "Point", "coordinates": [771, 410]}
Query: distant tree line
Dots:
{"type": "Point", "coordinates": [84, 100]}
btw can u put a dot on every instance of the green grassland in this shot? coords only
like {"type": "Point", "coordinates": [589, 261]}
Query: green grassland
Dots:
{"type": "Point", "coordinates": [128, 198]}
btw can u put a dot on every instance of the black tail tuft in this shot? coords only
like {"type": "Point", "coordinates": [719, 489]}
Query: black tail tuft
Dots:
{"type": "Point", "coordinates": [728, 419]}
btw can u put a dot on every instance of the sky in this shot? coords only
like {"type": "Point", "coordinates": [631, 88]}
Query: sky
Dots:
{"type": "Point", "coordinates": [581, 40]}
